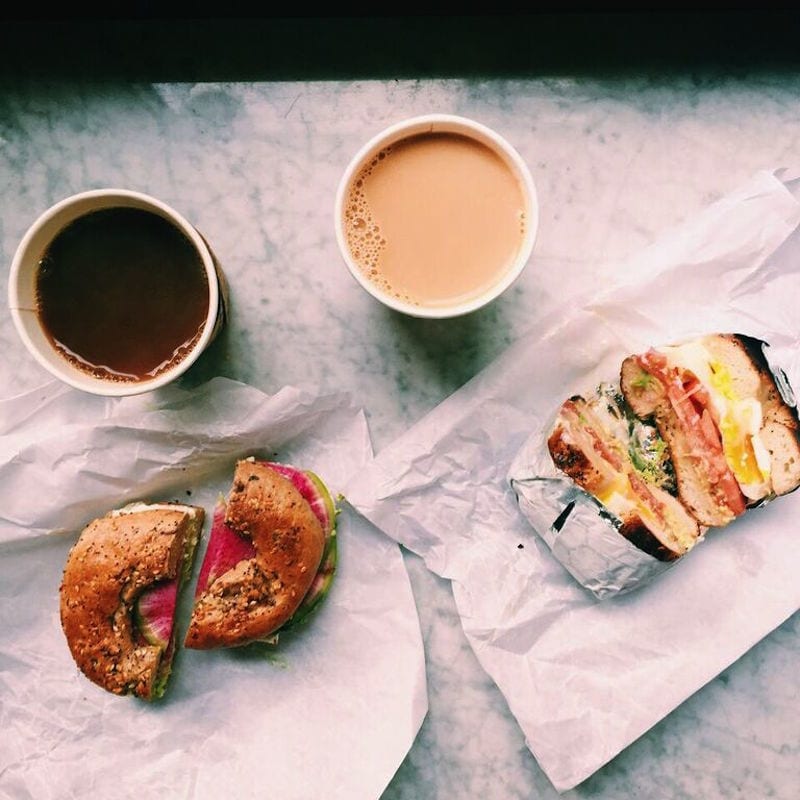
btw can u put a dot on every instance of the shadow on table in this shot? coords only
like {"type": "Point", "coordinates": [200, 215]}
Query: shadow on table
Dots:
{"type": "Point", "coordinates": [449, 352]}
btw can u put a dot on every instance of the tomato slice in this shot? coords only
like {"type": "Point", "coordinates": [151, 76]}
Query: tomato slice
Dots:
{"type": "Point", "coordinates": [642, 491]}
{"type": "Point", "coordinates": [692, 406]}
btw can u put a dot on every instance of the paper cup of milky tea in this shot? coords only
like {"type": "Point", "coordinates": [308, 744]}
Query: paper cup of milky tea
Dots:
{"type": "Point", "coordinates": [436, 216]}
{"type": "Point", "coordinates": [115, 292]}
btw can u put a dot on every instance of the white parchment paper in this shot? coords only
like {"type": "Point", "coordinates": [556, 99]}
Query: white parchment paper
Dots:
{"type": "Point", "coordinates": [585, 677]}
{"type": "Point", "coordinates": [331, 712]}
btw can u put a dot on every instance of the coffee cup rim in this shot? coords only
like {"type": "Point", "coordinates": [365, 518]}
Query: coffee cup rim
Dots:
{"type": "Point", "coordinates": [444, 123]}
{"type": "Point", "coordinates": [27, 322]}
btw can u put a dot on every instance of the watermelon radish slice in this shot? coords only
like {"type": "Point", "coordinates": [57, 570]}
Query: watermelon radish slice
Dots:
{"type": "Point", "coordinates": [154, 615]}
{"type": "Point", "coordinates": [226, 548]}
{"type": "Point", "coordinates": [155, 612]}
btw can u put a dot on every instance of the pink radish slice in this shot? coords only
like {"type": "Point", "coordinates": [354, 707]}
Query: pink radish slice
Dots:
{"type": "Point", "coordinates": [155, 612]}
{"type": "Point", "coordinates": [306, 486]}
{"type": "Point", "coordinates": [226, 548]}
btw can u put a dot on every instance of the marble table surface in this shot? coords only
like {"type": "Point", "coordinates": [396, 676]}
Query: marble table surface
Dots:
{"type": "Point", "coordinates": [255, 165]}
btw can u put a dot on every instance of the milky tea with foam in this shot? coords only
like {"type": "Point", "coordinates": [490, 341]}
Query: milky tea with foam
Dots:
{"type": "Point", "coordinates": [435, 219]}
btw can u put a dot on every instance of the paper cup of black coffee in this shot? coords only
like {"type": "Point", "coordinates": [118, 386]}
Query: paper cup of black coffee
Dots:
{"type": "Point", "coordinates": [115, 292]}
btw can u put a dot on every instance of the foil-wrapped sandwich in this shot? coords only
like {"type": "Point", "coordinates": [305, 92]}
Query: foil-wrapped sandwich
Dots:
{"type": "Point", "coordinates": [630, 477]}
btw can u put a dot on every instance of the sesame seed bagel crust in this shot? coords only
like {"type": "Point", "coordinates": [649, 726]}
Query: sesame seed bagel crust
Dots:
{"type": "Point", "coordinates": [258, 595]}
{"type": "Point", "coordinates": [115, 558]}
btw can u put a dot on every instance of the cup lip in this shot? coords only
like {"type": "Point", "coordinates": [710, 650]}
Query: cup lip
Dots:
{"type": "Point", "coordinates": [60, 367]}
{"type": "Point", "coordinates": [448, 123]}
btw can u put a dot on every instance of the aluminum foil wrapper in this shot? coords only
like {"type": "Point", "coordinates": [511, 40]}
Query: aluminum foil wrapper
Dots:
{"type": "Point", "coordinates": [784, 389]}
{"type": "Point", "coordinates": [579, 531]}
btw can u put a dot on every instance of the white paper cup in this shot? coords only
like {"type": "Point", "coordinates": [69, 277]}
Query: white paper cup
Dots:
{"type": "Point", "coordinates": [22, 290]}
{"type": "Point", "coordinates": [440, 123]}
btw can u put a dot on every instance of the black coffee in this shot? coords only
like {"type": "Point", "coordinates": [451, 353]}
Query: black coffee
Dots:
{"type": "Point", "coordinates": [122, 294]}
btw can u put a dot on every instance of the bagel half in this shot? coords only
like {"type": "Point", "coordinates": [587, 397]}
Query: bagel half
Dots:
{"type": "Point", "coordinates": [119, 591]}
{"type": "Point", "coordinates": [270, 557]}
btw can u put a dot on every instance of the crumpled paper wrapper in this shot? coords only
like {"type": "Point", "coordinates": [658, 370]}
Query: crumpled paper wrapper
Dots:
{"type": "Point", "coordinates": [330, 712]}
{"type": "Point", "coordinates": [586, 677]}
{"type": "Point", "coordinates": [579, 531]}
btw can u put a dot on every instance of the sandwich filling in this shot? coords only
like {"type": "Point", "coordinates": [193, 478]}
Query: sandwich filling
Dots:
{"type": "Point", "coordinates": [725, 427]}
{"type": "Point", "coordinates": [154, 610]}
{"type": "Point", "coordinates": [624, 463]}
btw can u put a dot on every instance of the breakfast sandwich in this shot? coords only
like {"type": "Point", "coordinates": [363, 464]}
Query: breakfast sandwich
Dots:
{"type": "Point", "coordinates": [625, 464]}
{"type": "Point", "coordinates": [695, 434]}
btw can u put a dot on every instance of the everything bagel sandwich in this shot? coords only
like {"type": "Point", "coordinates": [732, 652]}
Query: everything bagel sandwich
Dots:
{"type": "Point", "coordinates": [270, 559]}
{"type": "Point", "coordinates": [696, 433]}
{"type": "Point", "coordinates": [119, 592]}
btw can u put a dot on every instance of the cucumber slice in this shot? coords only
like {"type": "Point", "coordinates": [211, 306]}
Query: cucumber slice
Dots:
{"type": "Point", "coordinates": [321, 502]}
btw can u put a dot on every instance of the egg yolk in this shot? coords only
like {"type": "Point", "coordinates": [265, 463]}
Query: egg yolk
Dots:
{"type": "Point", "coordinates": [739, 425]}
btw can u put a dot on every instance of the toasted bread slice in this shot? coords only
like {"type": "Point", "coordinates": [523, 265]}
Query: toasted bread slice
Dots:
{"type": "Point", "coordinates": [593, 442]}
{"type": "Point", "coordinates": [116, 559]}
{"type": "Point", "coordinates": [260, 592]}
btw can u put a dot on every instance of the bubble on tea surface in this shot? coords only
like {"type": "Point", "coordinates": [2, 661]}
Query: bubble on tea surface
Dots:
{"type": "Point", "coordinates": [363, 232]}
{"type": "Point", "coordinates": [361, 229]}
